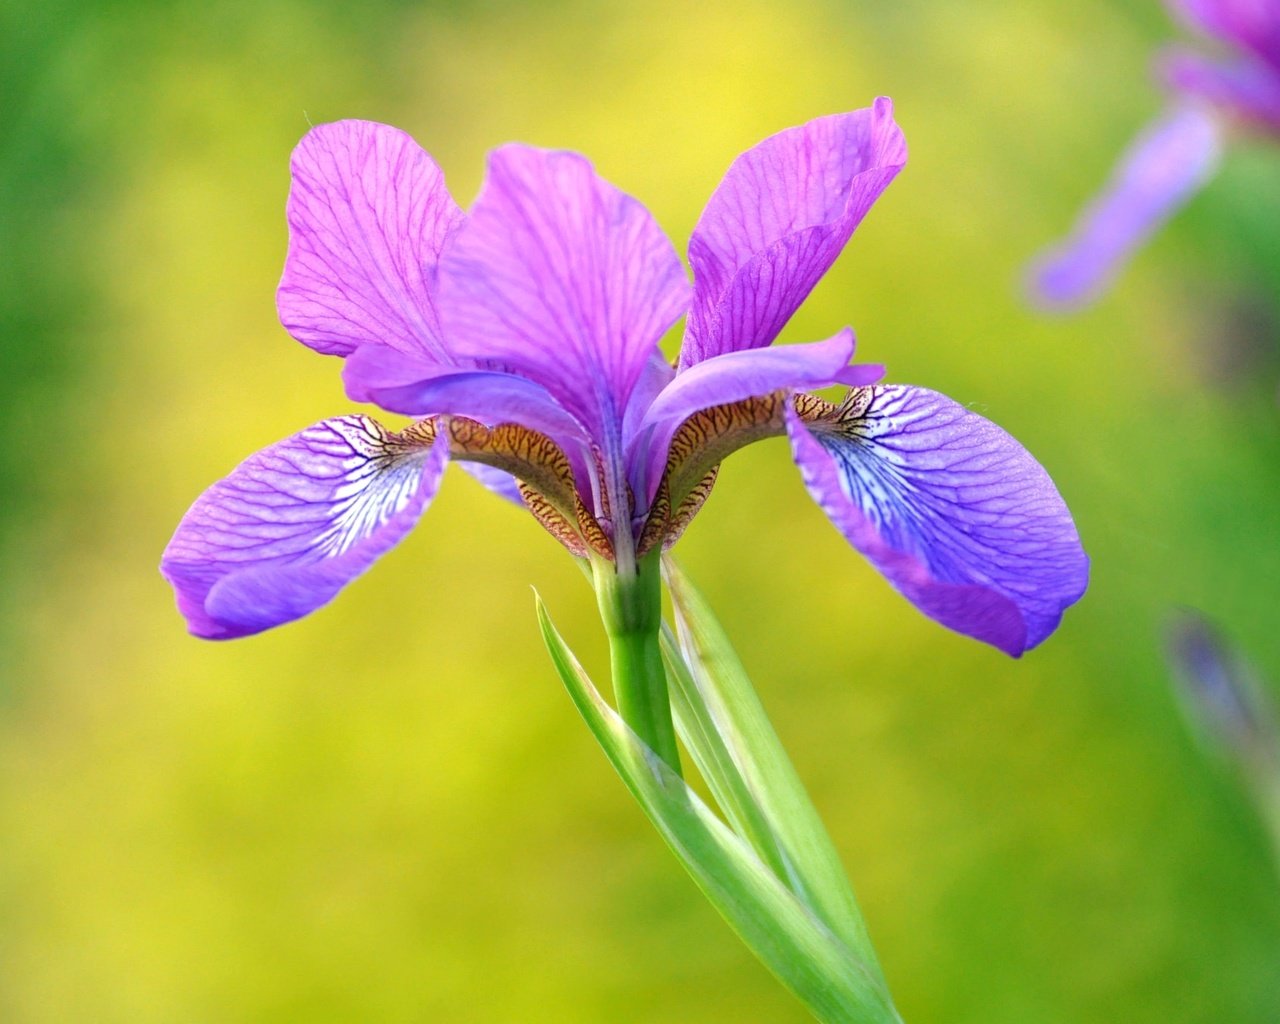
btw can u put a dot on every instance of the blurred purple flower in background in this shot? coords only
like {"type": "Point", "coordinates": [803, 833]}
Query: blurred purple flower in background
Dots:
{"type": "Point", "coordinates": [1228, 709]}
{"type": "Point", "coordinates": [1177, 154]}
{"type": "Point", "coordinates": [1220, 694]}
{"type": "Point", "coordinates": [523, 338]}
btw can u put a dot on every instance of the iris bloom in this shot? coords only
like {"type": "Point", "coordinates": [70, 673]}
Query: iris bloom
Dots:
{"type": "Point", "coordinates": [1176, 155]}
{"type": "Point", "coordinates": [523, 339]}
{"type": "Point", "coordinates": [1228, 709]}
{"type": "Point", "coordinates": [1221, 695]}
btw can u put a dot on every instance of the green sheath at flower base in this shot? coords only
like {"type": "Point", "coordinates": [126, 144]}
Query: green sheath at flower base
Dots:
{"type": "Point", "coordinates": [835, 984]}
{"type": "Point", "coordinates": [631, 610]}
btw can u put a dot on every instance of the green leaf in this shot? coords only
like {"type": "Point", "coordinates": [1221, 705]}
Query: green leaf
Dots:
{"type": "Point", "coordinates": [733, 744]}
{"type": "Point", "coordinates": [788, 938]}
{"type": "Point", "coordinates": [715, 762]}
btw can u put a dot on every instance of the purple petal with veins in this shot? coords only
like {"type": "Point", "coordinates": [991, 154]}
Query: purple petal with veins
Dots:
{"type": "Point", "coordinates": [952, 510]}
{"type": "Point", "coordinates": [563, 279]}
{"type": "Point", "coordinates": [778, 221]}
{"type": "Point", "coordinates": [293, 524]}
{"type": "Point", "coordinates": [416, 387]}
{"type": "Point", "coordinates": [1165, 167]}
{"type": "Point", "coordinates": [372, 371]}
{"type": "Point", "coordinates": [654, 378]}
{"type": "Point", "coordinates": [368, 216]}
{"type": "Point", "coordinates": [544, 309]}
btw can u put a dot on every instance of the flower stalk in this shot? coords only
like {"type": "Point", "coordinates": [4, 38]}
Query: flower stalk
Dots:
{"type": "Point", "coordinates": [761, 856]}
{"type": "Point", "coordinates": [631, 611]}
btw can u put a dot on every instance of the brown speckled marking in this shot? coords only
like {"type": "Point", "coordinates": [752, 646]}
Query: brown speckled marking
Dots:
{"type": "Point", "coordinates": [844, 417]}
{"type": "Point", "coordinates": [663, 526]}
{"type": "Point", "coordinates": [856, 403]}
{"type": "Point", "coordinates": [419, 434]}
{"type": "Point", "coordinates": [543, 473]}
{"type": "Point", "coordinates": [593, 533]}
{"type": "Point", "coordinates": [705, 438]}
{"type": "Point", "coordinates": [545, 476]}
{"type": "Point", "coordinates": [655, 523]}
{"type": "Point", "coordinates": [530, 457]}
{"type": "Point", "coordinates": [811, 408]}
{"type": "Point", "coordinates": [690, 507]}
{"type": "Point", "coordinates": [526, 454]}
{"type": "Point", "coordinates": [553, 521]}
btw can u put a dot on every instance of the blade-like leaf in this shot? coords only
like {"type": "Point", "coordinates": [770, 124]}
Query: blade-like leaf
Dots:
{"type": "Point", "coordinates": [794, 944]}
{"type": "Point", "coordinates": [725, 728]}
{"type": "Point", "coordinates": [715, 762]}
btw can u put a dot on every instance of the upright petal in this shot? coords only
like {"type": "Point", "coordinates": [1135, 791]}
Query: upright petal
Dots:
{"type": "Point", "coordinates": [368, 217]}
{"type": "Point", "coordinates": [778, 221]}
{"type": "Point", "coordinates": [561, 278]}
{"type": "Point", "coordinates": [955, 513]}
{"type": "Point", "coordinates": [1164, 168]}
{"type": "Point", "coordinates": [293, 524]}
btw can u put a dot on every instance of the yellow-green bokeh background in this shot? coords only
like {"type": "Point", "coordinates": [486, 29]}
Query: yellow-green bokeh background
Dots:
{"type": "Point", "coordinates": [389, 812]}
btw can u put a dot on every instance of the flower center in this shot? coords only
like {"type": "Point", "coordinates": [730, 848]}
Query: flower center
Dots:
{"type": "Point", "coordinates": [604, 524]}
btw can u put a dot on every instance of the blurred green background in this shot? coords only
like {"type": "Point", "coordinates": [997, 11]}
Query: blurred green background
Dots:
{"type": "Point", "coordinates": [389, 811]}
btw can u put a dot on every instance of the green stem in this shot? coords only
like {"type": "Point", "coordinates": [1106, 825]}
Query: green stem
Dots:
{"type": "Point", "coordinates": [631, 609]}
{"type": "Point", "coordinates": [833, 982]}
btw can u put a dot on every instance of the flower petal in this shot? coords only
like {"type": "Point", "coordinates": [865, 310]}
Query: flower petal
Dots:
{"type": "Point", "coordinates": [496, 481]}
{"type": "Point", "coordinates": [1253, 25]}
{"type": "Point", "coordinates": [955, 513]}
{"type": "Point", "coordinates": [373, 373]}
{"type": "Point", "coordinates": [730, 378]}
{"type": "Point", "coordinates": [560, 277]}
{"type": "Point", "coordinates": [368, 216]}
{"type": "Point", "coordinates": [293, 524]}
{"type": "Point", "coordinates": [1164, 168]}
{"type": "Point", "coordinates": [778, 221]}
{"type": "Point", "coordinates": [417, 387]}
{"type": "Point", "coordinates": [656, 376]}
{"type": "Point", "coordinates": [1242, 89]}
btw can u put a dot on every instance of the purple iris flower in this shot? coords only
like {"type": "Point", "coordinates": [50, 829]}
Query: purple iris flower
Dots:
{"type": "Point", "coordinates": [523, 339]}
{"type": "Point", "coordinates": [1220, 693]}
{"type": "Point", "coordinates": [1179, 152]}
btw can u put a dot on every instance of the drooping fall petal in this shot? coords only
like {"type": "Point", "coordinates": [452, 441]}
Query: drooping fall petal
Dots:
{"type": "Point", "coordinates": [953, 511]}
{"type": "Point", "coordinates": [293, 524]}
